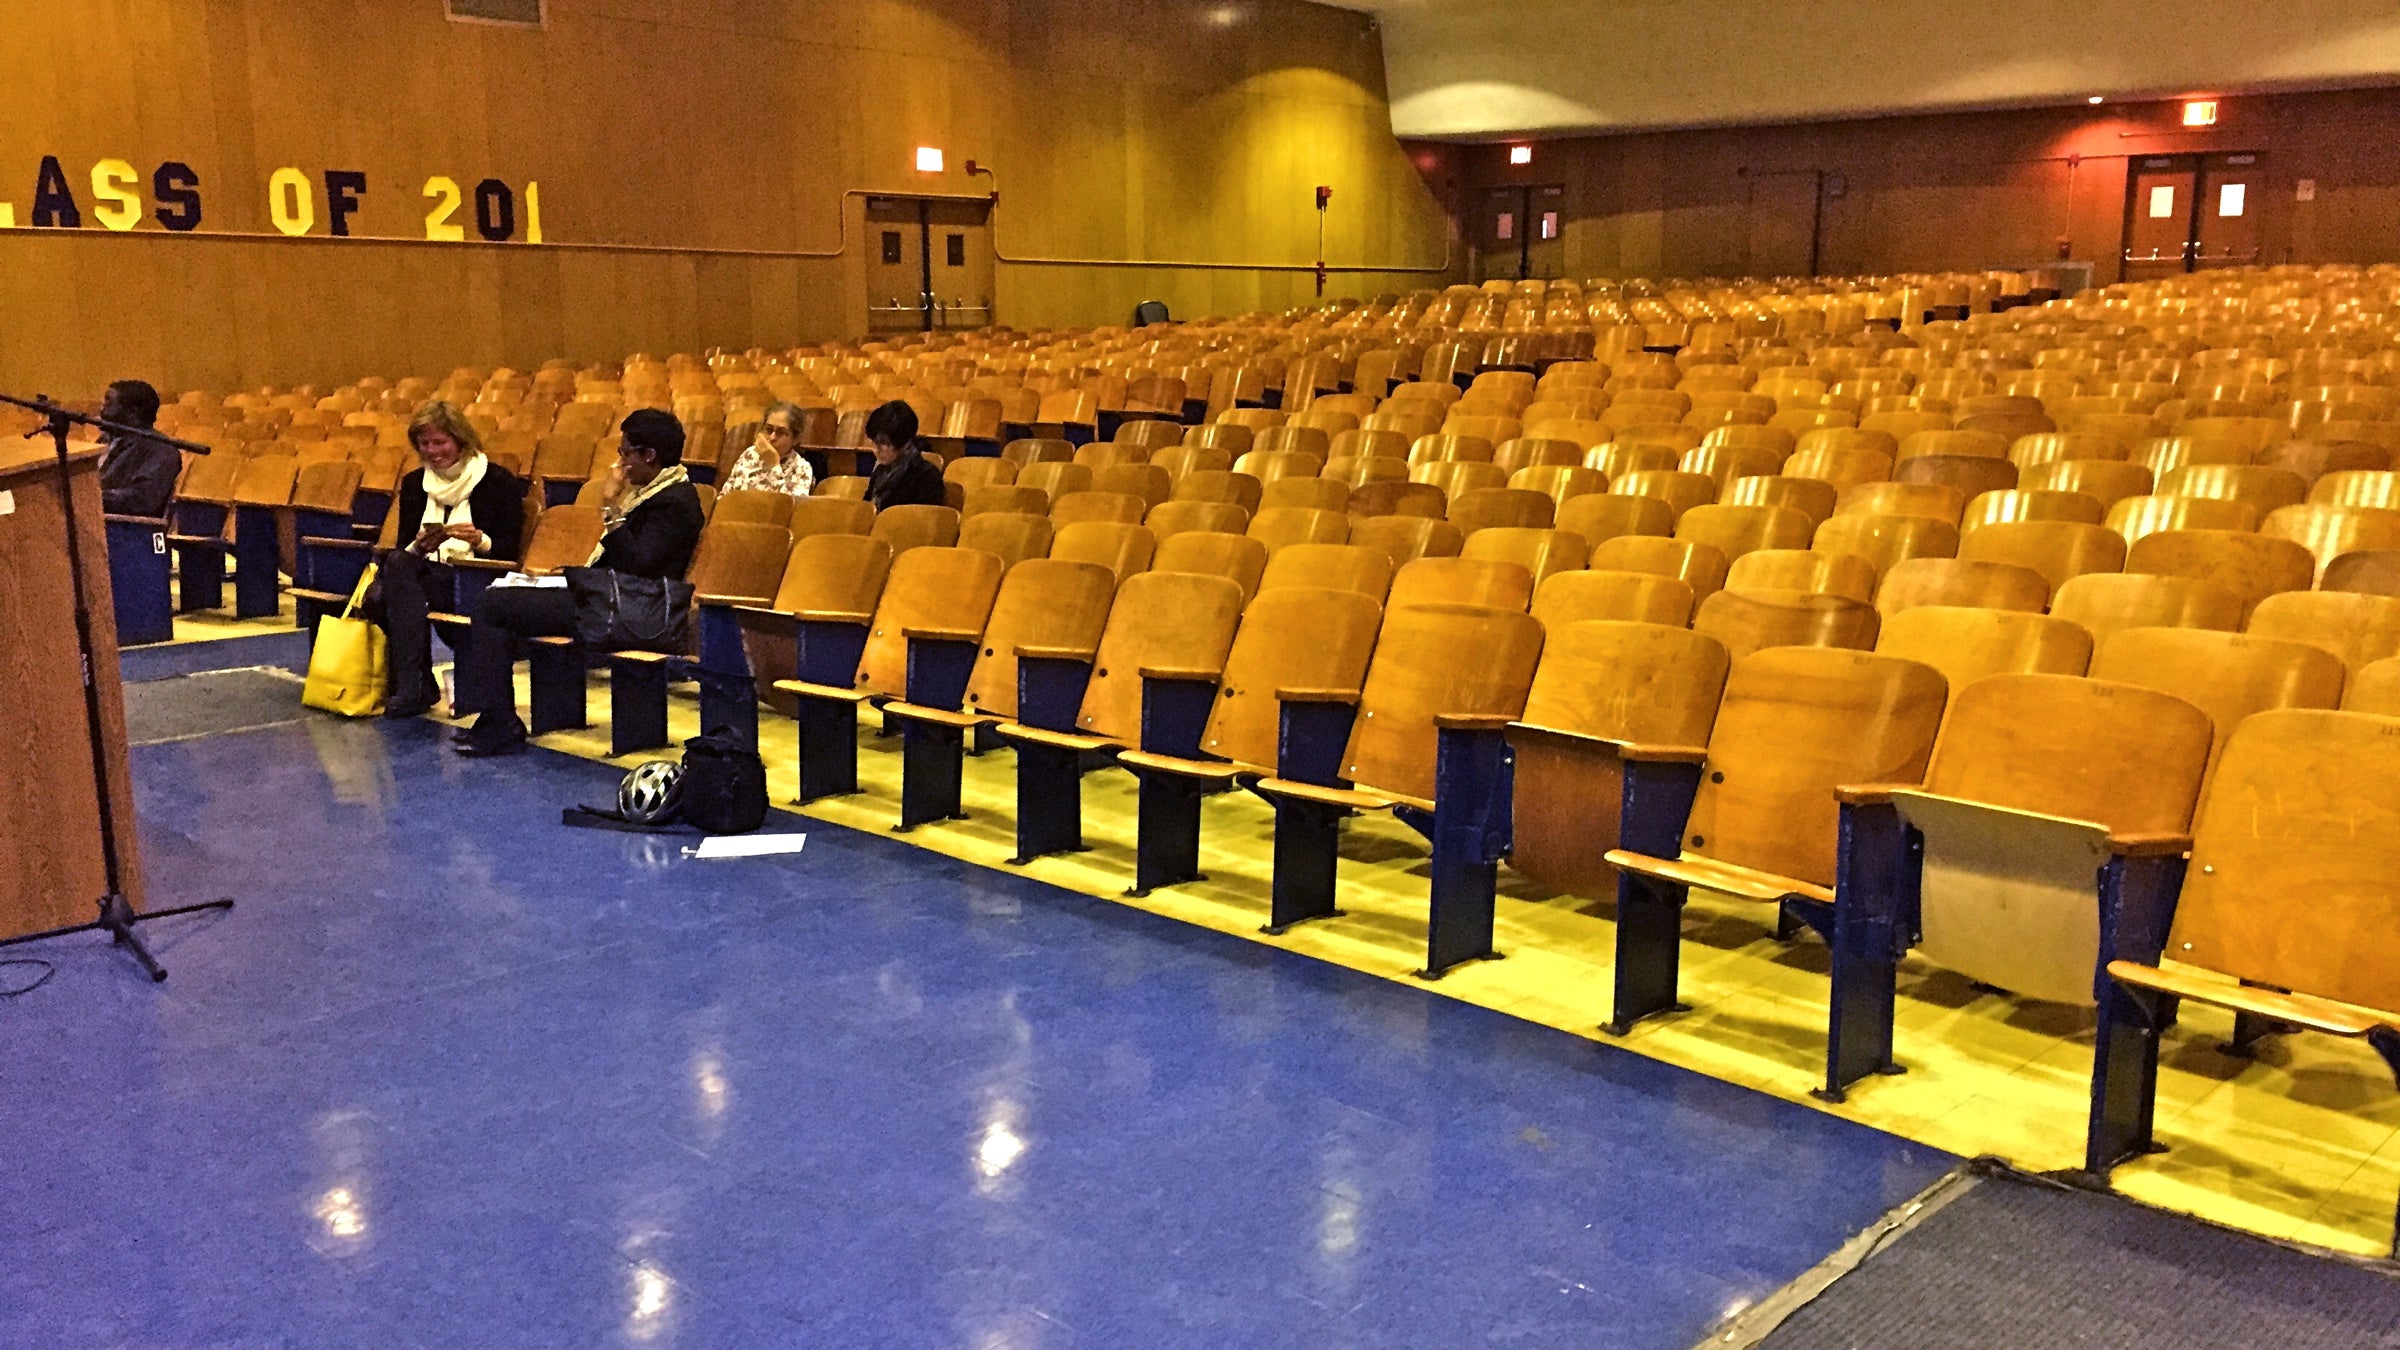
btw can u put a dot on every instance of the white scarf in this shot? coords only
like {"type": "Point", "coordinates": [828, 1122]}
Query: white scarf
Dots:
{"type": "Point", "coordinates": [446, 503]}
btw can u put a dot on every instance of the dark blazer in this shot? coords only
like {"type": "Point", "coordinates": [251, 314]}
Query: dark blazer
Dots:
{"type": "Point", "coordinates": [498, 504]}
{"type": "Point", "coordinates": [657, 538]}
{"type": "Point", "coordinates": [910, 480]}
{"type": "Point", "coordinates": [137, 476]}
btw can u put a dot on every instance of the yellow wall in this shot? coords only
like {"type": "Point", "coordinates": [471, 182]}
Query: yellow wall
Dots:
{"type": "Point", "coordinates": [693, 156]}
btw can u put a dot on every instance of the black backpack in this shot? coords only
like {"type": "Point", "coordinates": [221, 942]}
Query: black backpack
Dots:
{"type": "Point", "coordinates": [724, 791]}
{"type": "Point", "coordinates": [724, 784]}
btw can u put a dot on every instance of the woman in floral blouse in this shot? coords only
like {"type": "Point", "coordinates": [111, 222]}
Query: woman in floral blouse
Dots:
{"type": "Point", "coordinates": [774, 463]}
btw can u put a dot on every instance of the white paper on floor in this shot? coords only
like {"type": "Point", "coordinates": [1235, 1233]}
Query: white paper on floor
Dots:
{"type": "Point", "coordinates": [747, 845]}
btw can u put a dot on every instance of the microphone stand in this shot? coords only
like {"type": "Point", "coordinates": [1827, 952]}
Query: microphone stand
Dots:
{"type": "Point", "coordinates": [117, 915]}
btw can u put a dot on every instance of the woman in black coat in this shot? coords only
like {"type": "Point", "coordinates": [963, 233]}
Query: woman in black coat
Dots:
{"type": "Point", "coordinates": [459, 505]}
{"type": "Point", "coordinates": [902, 475]}
{"type": "Point", "coordinates": [653, 523]}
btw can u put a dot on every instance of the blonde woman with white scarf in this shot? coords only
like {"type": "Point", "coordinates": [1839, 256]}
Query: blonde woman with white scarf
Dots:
{"type": "Point", "coordinates": [458, 505]}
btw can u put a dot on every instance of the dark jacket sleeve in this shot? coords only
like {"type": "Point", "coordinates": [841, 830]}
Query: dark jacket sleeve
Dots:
{"type": "Point", "coordinates": [924, 486]}
{"type": "Point", "coordinates": [657, 539]}
{"type": "Point", "coordinates": [499, 506]}
{"type": "Point", "coordinates": [138, 478]}
{"type": "Point", "coordinates": [408, 508]}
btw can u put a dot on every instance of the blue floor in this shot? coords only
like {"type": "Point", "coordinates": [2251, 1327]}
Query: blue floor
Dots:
{"type": "Point", "coordinates": [166, 660]}
{"type": "Point", "coordinates": [455, 1076]}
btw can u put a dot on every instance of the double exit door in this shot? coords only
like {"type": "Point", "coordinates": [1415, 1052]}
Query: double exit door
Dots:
{"type": "Point", "coordinates": [2187, 212]}
{"type": "Point", "coordinates": [929, 264]}
{"type": "Point", "coordinates": [1522, 234]}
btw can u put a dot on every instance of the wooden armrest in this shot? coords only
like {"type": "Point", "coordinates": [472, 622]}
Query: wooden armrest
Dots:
{"type": "Point", "coordinates": [2317, 1014]}
{"type": "Point", "coordinates": [1316, 696]}
{"type": "Point", "coordinates": [728, 601]}
{"type": "Point", "coordinates": [1664, 754]}
{"type": "Point", "coordinates": [553, 640]}
{"type": "Point", "coordinates": [1469, 721]}
{"type": "Point", "coordinates": [837, 692]}
{"type": "Point", "coordinates": [1057, 653]}
{"type": "Point", "coordinates": [1870, 794]}
{"type": "Point", "coordinates": [439, 616]}
{"type": "Point", "coordinates": [1747, 883]}
{"type": "Point", "coordinates": [760, 611]}
{"type": "Point", "coordinates": [646, 658]}
{"type": "Point", "coordinates": [1209, 770]}
{"type": "Point", "coordinates": [1181, 673]}
{"type": "Point", "coordinates": [943, 716]}
{"type": "Point", "coordinates": [2149, 845]}
{"type": "Point", "coordinates": [152, 522]}
{"type": "Point", "coordinates": [1536, 729]}
{"type": "Point", "coordinates": [333, 541]}
{"type": "Point", "coordinates": [1353, 798]}
{"type": "Point", "coordinates": [943, 634]}
{"type": "Point", "coordinates": [1067, 740]}
{"type": "Point", "coordinates": [485, 564]}
{"type": "Point", "coordinates": [830, 616]}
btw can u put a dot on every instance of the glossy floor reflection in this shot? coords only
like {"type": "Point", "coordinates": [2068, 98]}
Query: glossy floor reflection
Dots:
{"type": "Point", "coordinates": [454, 1075]}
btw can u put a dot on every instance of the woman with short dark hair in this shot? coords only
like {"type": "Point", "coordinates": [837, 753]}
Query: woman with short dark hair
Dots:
{"type": "Point", "coordinates": [653, 520]}
{"type": "Point", "coordinates": [902, 476]}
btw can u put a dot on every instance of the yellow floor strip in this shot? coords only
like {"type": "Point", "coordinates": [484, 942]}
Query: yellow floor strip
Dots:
{"type": "Point", "coordinates": [2303, 1142]}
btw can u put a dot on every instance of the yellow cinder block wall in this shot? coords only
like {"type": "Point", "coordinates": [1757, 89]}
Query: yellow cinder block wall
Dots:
{"type": "Point", "coordinates": [693, 158]}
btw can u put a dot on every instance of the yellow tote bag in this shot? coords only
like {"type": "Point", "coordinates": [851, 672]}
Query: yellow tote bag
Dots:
{"type": "Point", "coordinates": [346, 667]}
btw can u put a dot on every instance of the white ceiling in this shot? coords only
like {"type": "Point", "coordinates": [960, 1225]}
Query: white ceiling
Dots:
{"type": "Point", "coordinates": [1480, 69]}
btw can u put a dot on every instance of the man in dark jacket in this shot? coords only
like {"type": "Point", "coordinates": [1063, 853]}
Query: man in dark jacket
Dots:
{"type": "Point", "coordinates": [653, 524]}
{"type": "Point", "coordinates": [137, 474]}
{"type": "Point", "coordinates": [902, 476]}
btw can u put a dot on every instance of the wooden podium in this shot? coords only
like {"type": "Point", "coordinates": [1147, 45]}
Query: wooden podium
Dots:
{"type": "Point", "coordinates": [52, 875]}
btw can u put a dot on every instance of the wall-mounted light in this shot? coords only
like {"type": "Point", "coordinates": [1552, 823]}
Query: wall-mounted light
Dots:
{"type": "Point", "coordinates": [2093, 99]}
{"type": "Point", "coordinates": [2200, 112]}
{"type": "Point", "coordinates": [929, 159]}
{"type": "Point", "coordinates": [1520, 154]}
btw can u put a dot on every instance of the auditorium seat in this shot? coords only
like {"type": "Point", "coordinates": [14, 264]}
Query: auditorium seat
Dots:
{"type": "Point", "coordinates": [1235, 557]}
{"type": "Point", "coordinates": [1011, 536]}
{"type": "Point", "coordinates": [1406, 538]}
{"type": "Point", "coordinates": [2228, 676]}
{"type": "Point", "coordinates": [2251, 566]}
{"type": "Point", "coordinates": [1800, 569]}
{"type": "Point", "coordinates": [737, 565]}
{"type": "Point", "coordinates": [1330, 566]}
{"type": "Point", "coordinates": [1633, 597]}
{"type": "Point", "coordinates": [2371, 571]}
{"type": "Point", "coordinates": [2328, 532]}
{"type": "Point", "coordinates": [1753, 813]}
{"type": "Point", "coordinates": [2285, 913]}
{"type": "Point", "coordinates": [2106, 481]}
{"type": "Point", "coordinates": [2355, 629]}
{"type": "Point", "coordinates": [1755, 620]}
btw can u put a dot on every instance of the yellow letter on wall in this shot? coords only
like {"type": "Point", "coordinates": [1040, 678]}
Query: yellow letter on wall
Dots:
{"type": "Point", "coordinates": [291, 201]}
{"type": "Point", "coordinates": [117, 208]}
{"type": "Point", "coordinates": [437, 220]}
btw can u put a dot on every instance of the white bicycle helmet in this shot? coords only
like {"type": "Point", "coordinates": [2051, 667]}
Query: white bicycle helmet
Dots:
{"type": "Point", "coordinates": [652, 793]}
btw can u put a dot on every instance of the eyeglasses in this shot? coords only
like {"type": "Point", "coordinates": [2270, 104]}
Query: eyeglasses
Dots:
{"type": "Point", "coordinates": [779, 432]}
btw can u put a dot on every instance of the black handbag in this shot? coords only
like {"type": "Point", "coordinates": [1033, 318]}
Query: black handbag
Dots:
{"type": "Point", "coordinates": [617, 611]}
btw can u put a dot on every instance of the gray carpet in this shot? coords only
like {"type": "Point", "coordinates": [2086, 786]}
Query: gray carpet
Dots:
{"type": "Point", "coordinates": [2013, 1261]}
{"type": "Point", "coordinates": [209, 703]}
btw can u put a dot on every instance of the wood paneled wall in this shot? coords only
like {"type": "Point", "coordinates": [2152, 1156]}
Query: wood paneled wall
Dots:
{"type": "Point", "coordinates": [1959, 191]}
{"type": "Point", "coordinates": [699, 163]}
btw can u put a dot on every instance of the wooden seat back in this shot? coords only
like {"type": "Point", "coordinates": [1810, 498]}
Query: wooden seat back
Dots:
{"type": "Point", "coordinates": [1632, 597]}
{"type": "Point", "coordinates": [1797, 722]}
{"type": "Point", "coordinates": [2228, 676]}
{"type": "Point", "coordinates": [853, 487]}
{"type": "Point", "coordinates": [1541, 553]}
{"type": "Point", "coordinates": [2293, 855]}
{"type": "Point", "coordinates": [977, 470]}
{"type": "Point", "coordinates": [2374, 688]}
{"type": "Point", "coordinates": [1236, 557]}
{"type": "Point", "coordinates": [2374, 571]}
{"type": "Point", "coordinates": [1407, 538]}
{"type": "Point", "coordinates": [1483, 583]}
{"type": "Point", "coordinates": [1076, 508]}
{"type": "Point", "coordinates": [1398, 498]}
{"type": "Point", "coordinates": [1028, 450]}
{"type": "Point", "coordinates": [1808, 496]}
{"type": "Point", "coordinates": [2262, 488]}
{"type": "Point", "coordinates": [2358, 487]}
{"type": "Point", "coordinates": [1992, 508]}
{"type": "Point", "coordinates": [1751, 621]}
{"type": "Point", "coordinates": [912, 527]}
{"type": "Point", "coordinates": [2139, 517]}
{"type": "Point", "coordinates": [1171, 518]}
{"type": "Point", "coordinates": [2328, 532]}
{"type": "Point", "coordinates": [1149, 433]}
{"type": "Point", "coordinates": [1160, 621]}
{"type": "Point", "coordinates": [1339, 567]}
{"type": "Point", "coordinates": [1736, 530]}
{"type": "Point", "coordinates": [815, 515]}
{"type": "Point", "coordinates": [1291, 637]}
{"type": "Point", "coordinates": [1043, 602]}
{"type": "Point", "coordinates": [933, 587]}
{"type": "Point", "coordinates": [1954, 581]}
{"type": "Point", "coordinates": [1206, 447]}
{"type": "Point", "coordinates": [2251, 566]}
{"type": "Point", "coordinates": [1491, 507]}
{"type": "Point", "coordinates": [1218, 485]}
{"type": "Point", "coordinates": [1268, 465]}
{"type": "Point", "coordinates": [1841, 466]}
{"type": "Point", "coordinates": [1315, 494]}
{"type": "Point", "coordinates": [1936, 501]}
{"type": "Point", "coordinates": [1602, 516]}
{"type": "Point", "coordinates": [1004, 497]}
{"type": "Point", "coordinates": [1147, 481]}
{"type": "Point", "coordinates": [1886, 541]}
{"type": "Point", "coordinates": [1800, 569]}
{"type": "Point", "coordinates": [1967, 644]}
{"type": "Point", "coordinates": [1457, 477]}
{"type": "Point", "coordinates": [1417, 678]}
{"type": "Point", "coordinates": [1680, 491]}
{"type": "Point", "coordinates": [1359, 470]}
{"type": "Point", "coordinates": [563, 536]}
{"type": "Point", "coordinates": [1560, 482]}
{"type": "Point", "coordinates": [1012, 536]}
{"type": "Point", "coordinates": [739, 562]}
{"type": "Point", "coordinates": [1280, 527]}
{"type": "Point", "coordinates": [1699, 566]}
{"type": "Point", "coordinates": [266, 480]}
{"type": "Point", "coordinates": [328, 485]}
{"type": "Point", "coordinates": [1124, 549]}
{"type": "Point", "coordinates": [2057, 549]}
{"type": "Point", "coordinates": [753, 506]}
{"type": "Point", "coordinates": [2353, 628]}
{"type": "Point", "coordinates": [1055, 480]}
